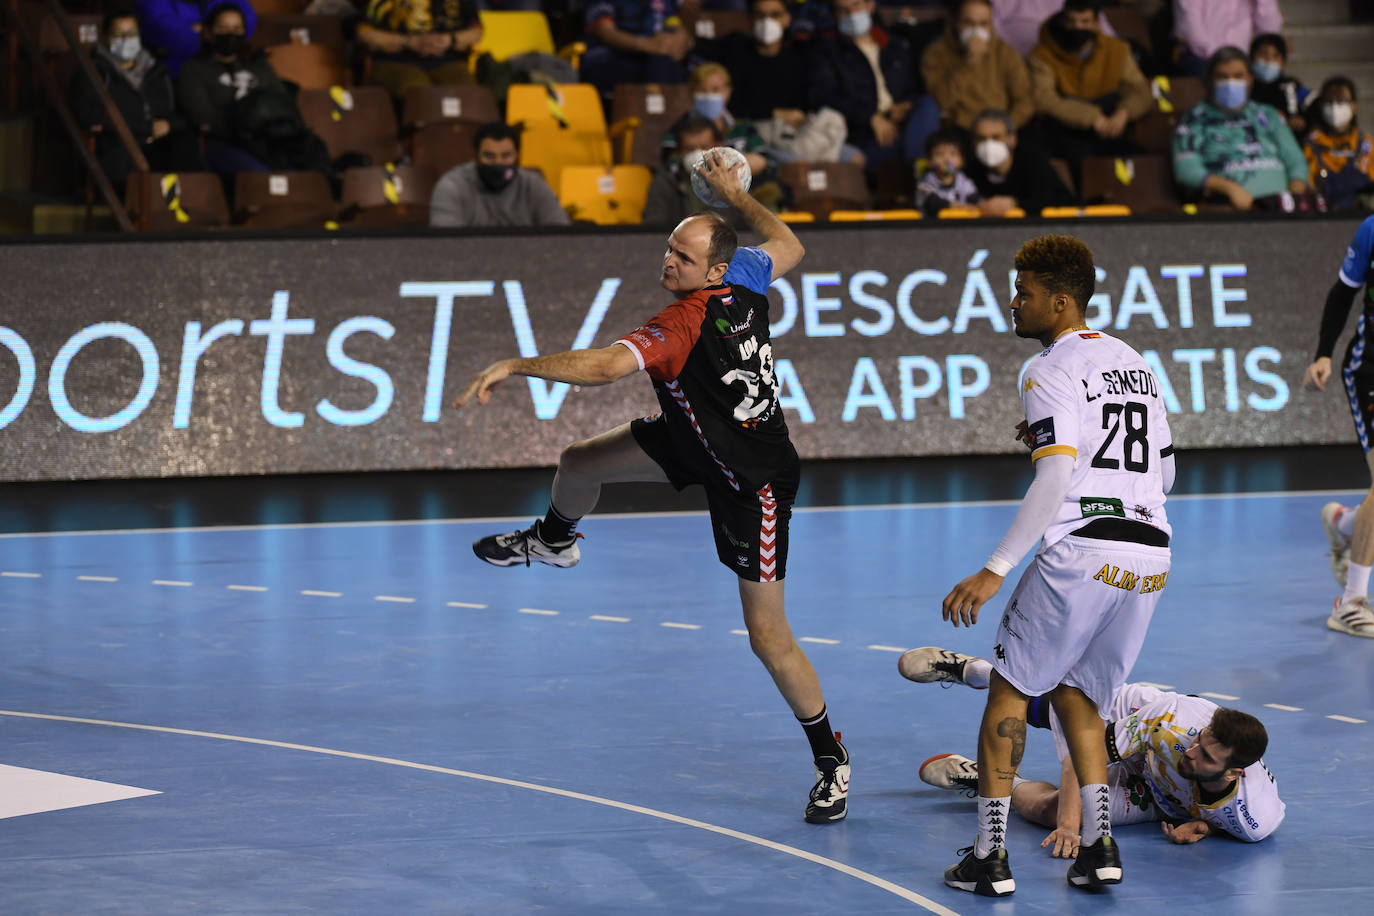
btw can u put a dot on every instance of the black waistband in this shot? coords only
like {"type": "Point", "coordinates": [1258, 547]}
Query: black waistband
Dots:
{"type": "Point", "coordinates": [1113, 755]}
{"type": "Point", "coordinates": [1123, 529]}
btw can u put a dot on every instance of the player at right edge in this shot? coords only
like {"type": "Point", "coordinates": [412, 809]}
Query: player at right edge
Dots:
{"type": "Point", "coordinates": [1099, 438]}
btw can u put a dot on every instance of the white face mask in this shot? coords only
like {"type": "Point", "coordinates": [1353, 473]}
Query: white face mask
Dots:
{"type": "Point", "coordinates": [767, 31]}
{"type": "Point", "coordinates": [992, 153]}
{"type": "Point", "coordinates": [126, 48]}
{"type": "Point", "coordinates": [967, 35]}
{"type": "Point", "coordinates": [1338, 114]}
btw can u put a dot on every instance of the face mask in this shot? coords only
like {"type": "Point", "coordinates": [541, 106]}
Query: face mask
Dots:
{"type": "Point", "coordinates": [1229, 94]}
{"type": "Point", "coordinates": [856, 25]}
{"type": "Point", "coordinates": [1070, 40]}
{"type": "Point", "coordinates": [227, 43]}
{"type": "Point", "coordinates": [767, 31]}
{"type": "Point", "coordinates": [125, 49]}
{"type": "Point", "coordinates": [495, 177]}
{"type": "Point", "coordinates": [1266, 71]}
{"type": "Point", "coordinates": [967, 35]}
{"type": "Point", "coordinates": [708, 104]}
{"type": "Point", "coordinates": [1338, 114]}
{"type": "Point", "coordinates": [992, 153]}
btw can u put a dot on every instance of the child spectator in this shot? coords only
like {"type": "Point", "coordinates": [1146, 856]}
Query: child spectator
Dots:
{"type": "Point", "coordinates": [1340, 156]}
{"type": "Point", "coordinates": [1268, 57]}
{"type": "Point", "coordinates": [944, 184]}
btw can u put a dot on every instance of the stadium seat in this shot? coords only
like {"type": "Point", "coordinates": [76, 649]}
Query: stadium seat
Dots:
{"type": "Point", "coordinates": [279, 7]}
{"type": "Point", "coordinates": [1144, 183]}
{"type": "Point", "coordinates": [1061, 168]}
{"type": "Point", "coordinates": [719, 23]}
{"type": "Point", "coordinates": [309, 66]}
{"type": "Point", "coordinates": [641, 115]}
{"type": "Point", "coordinates": [1176, 94]}
{"type": "Point", "coordinates": [820, 187]}
{"type": "Point", "coordinates": [360, 119]}
{"type": "Point", "coordinates": [507, 33]}
{"type": "Point", "coordinates": [52, 45]}
{"type": "Point", "coordinates": [975, 213]}
{"type": "Point", "coordinates": [159, 201]}
{"type": "Point", "coordinates": [282, 200]}
{"type": "Point", "coordinates": [796, 216]}
{"type": "Point", "coordinates": [443, 145]}
{"type": "Point", "coordinates": [386, 196]}
{"type": "Point", "coordinates": [1076, 212]}
{"type": "Point", "coordinates": [302, 30]}
{"type": "Point", "coordinates": [1129, 22]}
{"type": "Point", "coordinates": [432, 104]}
{"type": "Point", "coordinates": [606, 196]}
{"type": "Point", "coordinates": [564, 125]}
{"type": "Point", "coordinates": [1154, 133]}
{"type": "Point", "coordinates": [864, 216]}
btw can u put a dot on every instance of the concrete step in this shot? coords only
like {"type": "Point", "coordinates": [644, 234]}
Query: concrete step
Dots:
{"type": "Point", "coordinates": [1329, 42]}
{"type": "Point", "coordinates": [31, 212]}
{"type": "Point", "coordinates": [1313, 12]}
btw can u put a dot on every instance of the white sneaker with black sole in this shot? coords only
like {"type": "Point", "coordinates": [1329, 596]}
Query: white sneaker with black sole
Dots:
{"type": "Point", "coordinates": [1354, 617]}
{"type": "Point", "coordinates": [525, 546]}
{"type": "Point", "coordinates": [828, 802]}
{"type": "Point", "coordinates": [1340, 544]}
{"type": "Point", "coordinates": [933, 665]}
{"type": "Point", "coordinates": [950, 771]}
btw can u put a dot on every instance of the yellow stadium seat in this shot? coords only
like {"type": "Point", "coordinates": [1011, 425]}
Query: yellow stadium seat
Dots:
{"type": "Point", "coordinates": [571, 106]}
{"type": "Point", "coordinates": [507, 33]}
{"type": "Point", "coordinates": [606, 196]}
{"type": "Point", "coordinates": [1094, 210]}
{"type": "Point", "coordinates": [550, 150]}
{"type": "Point", "coordinates": [860, 216]}
{"type": "Point", "coordinates": [975, 213]}
{"type": "Point", "coordinates": [797, 216]}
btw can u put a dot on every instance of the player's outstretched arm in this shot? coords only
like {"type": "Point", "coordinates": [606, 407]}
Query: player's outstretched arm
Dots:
{"type": "Point", "coordinates": [779, 240]}
{"type": "Point", "coordinates": [576, 367]}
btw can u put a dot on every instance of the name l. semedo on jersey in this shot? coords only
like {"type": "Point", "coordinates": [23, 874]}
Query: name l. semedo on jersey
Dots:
{"type": "Point", "coordinates": [1131, 381]}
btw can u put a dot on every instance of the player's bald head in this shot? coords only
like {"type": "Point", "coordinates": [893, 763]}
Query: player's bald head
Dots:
{"type": "Point", "coordinates": [720, 237]}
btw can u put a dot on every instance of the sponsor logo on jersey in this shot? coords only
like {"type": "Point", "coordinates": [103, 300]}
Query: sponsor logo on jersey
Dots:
{"type": "Point", "coordinates": [734, 541]}
{"type": "Point", "coordinates": [1100, 505]}
{"type": "Point", "coordinates": [741, 560]}
{"type": "Point", "coordinates": [1143, 513]}
{"type": "Point", "coordinates": [1028, 384]}
{"type": "Point", "coordinates": [1000, 652]}
{"type": "Point", "coordinates": [1153, 583]}
{"type": "Point", "coordinates": [1117, 577]}
{"type": "Point", "coordinates": [1041, 433]}
{"type": "Point", "coordinates": [727, 329]}
{"type": "Point", "coordinates": [1245, 813]}
{"type": "Point", "coordinates": [1131, 381]}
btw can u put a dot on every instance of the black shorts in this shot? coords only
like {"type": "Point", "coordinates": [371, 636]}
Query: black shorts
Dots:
{"type": "Point", "coordinates": [1357, 374]}
{"type": "Point", "coordinates": [749, 525]}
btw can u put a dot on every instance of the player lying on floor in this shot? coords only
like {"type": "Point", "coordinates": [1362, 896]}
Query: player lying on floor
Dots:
{"type": "Point", "coordinates": [1175, 758]}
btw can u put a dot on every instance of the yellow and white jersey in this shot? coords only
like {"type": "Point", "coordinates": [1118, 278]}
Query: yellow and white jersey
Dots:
{"type": "Point", "coordinates": [1154, 728]}
{"type": "Point", "coordinates": [1090, 396]}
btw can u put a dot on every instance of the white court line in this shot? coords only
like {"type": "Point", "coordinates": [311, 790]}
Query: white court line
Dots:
{"type": "Point", "coordinates": [609, 619]}
{"type": "Point", "coordinates": [246, 588]}
{"type": "Point", "coordinates": [680, 626]}
{"type": "Point", "coordinates": [739, 632]}
{"type": "Point", "coordinates": [842, 868]}
{"type": "Point", "coordinates": [314, 593]}
{"type": "Point", "coordinates": [821, 640]}
{"type": "Point", "coordinates": [394, 599]}
{"type": "Point", "coordinates": [535, 610]}
{"type": "Point", "coordinates": [1284, 708]}
{"type": "Point", "coordinates": [173, 583]}
{"type": "Point", "coordinates": [96, 579]}
{"type": "Point", "coordinates": [465, 604]}
{"type": "Point", "coordinates": [21, 575]}
{"type": "Point", "coordinates": [1347, 719]}
{"type": "Point", "coordinates": [1218, 696]}
{"type": "Point", "coordinates": [879, 647]}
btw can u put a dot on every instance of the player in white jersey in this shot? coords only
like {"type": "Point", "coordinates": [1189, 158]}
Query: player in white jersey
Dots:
{"type": "Point", "coordinates": [1175, 758]}
{"type": "Point", "coordinates": [1072, 629]}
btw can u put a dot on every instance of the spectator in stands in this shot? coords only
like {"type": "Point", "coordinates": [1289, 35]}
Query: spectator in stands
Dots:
{"type": "Point", "coordinates": [971, 69]}
{"type": "Point", "coordinates": [944, 184]}
{"type": "Point", "coordinates": [1087, 84]}
{"type": "Point", "coordinates": [1233, 148]}
{"type": "Point", "coordinates": [865, 74]}
{"type": "Point", "coordinates": [250, 120]}
{"type": "Point", "coordinates": [1202, 27]}
{"type": "Point", "coordinates": [1340, 156]}
{"type": "Point", "coordinates": [768, 68]}
{"type": "Point", "coordinates": [1008, 175]}
{"type": "Point", "coordinates": [142, 91]}
{"type": "Point", "coordinates": [172, 28]}
{"type": "Point", "coordinates": [1268, 57]}
{"type": "Point", "coordinates": [670, 198]}
{"type": "Point", "coordinates": [1018, 22]}
{"type": "Point", "coordinates": [630, 41]}
{"type": "Point", "coordinates": [711, 93]}
{"type": "Point", "coordinates": [420, 43]}
{"type": "Point", "coordinates": [493, 190]}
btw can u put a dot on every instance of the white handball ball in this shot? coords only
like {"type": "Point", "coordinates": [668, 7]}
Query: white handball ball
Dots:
{"type": "Point", "coordinates": [731, 156]}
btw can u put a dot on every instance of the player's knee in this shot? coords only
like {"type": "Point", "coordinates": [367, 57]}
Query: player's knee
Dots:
{"type": "Point", "coordinates": [771, 648]}
{"type": "Point", "coordinates": [575, 459]}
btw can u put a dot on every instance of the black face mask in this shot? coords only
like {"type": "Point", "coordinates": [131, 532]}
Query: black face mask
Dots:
{"type": "Point", "coordinates": [1071, 40]}
{"type": "Point", "coordinates": [495, 177]}
{"type": "Point", "coordinates": [227, 44]}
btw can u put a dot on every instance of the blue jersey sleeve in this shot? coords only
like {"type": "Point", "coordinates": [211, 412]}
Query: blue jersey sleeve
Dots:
{"type": "Point", "coordinates": [1355, 267]}
{"type": "Point", "coordinates": [752, 268]}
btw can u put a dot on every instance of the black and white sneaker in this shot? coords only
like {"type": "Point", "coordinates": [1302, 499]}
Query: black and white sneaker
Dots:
{"type": "Point", "coordinates": [524, 546]}
{"type": "Point", "coordinates": [951, 771]}
{"type": "Point", "coordinates": [990, 877]}
{"type": "Point", "coordinates": [1096, 865]}
{"type": "Point", "coordinates": [931, 664]}
{"type": "Point", "coordinates": [827, 802]}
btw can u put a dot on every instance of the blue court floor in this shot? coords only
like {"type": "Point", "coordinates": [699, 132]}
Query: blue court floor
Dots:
{"type": "Point", "coordinates": [363, 718]}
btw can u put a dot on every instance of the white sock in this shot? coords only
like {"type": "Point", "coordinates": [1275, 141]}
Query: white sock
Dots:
{"type": "Point", "coordinates": [1356, 583]}
{"type": "Point", "coordinates": [1097, 812]}
{"type": "Point", "coordinates": [992, 825]}
{"type": "Point", "coordinates": [978, 672]}
{"type": "Point", "coordinates": [1345, 521]}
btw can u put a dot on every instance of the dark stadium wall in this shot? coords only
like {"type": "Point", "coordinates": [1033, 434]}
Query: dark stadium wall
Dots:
{"type": "Point", "coordinates": [251, 356]}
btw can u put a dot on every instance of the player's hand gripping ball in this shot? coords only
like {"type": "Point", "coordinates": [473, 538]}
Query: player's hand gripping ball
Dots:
{"type": "Point", "coordinates": [731, 156]}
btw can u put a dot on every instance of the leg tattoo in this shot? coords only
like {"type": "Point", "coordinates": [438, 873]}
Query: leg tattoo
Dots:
{"type": "Point", "coordinates": [1015, 729]}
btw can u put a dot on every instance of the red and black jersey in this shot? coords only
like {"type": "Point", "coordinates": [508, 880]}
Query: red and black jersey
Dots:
{"type": "Point", "coordinates": [711, 362]}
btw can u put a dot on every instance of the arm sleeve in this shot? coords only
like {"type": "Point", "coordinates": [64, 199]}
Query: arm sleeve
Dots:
{"type": "Point", "coordinates": [1355, 267]}
{"type": "Point", "coordinates": [1067, 111]}
{"type": "Point", "coordinates": [1267, 17]}
{"type": "Point", "coordinates": [1167, 468]}
{"type": "Point", "coordinates": [1337, 310]}
{"type": "Point", "coordinates": [1135, 90]}
{"type": "Point", "coordinates": [1046, 494]}
{"type": "Point", "coordinates": [662, 344]}
{"type": "Point", "coordinates": [446, 203]}
{"type": "Point", "coordinates": [751, 268]}
{"type": "Point", "coordinates": [1294, 162]}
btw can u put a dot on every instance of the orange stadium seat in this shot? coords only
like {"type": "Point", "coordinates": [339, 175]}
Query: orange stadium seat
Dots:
{"type": "Point", "coordinates": [282, 200]}
{"type": "Point", "coordinates": [441, 146]}
{"type": "Point", "coordinates": [159, 201]}
{"type": "Point", "coordinates": [868, 216]}
{"type": "Point", "coordinates": [796, 216]}
{"type": "Point", "coordinates": [386, 196]}
{"type": "Point", "coordinates": [359, 119]}
{"type": "Point", "coordinates": [975, 213]}
{"type": "Point", "coordinates": [564, 125]}
{"type": "Point", "coordinates": [433, 104]}
{"type": "Point", "coordinates": [641, 115]}
{"type": "Point", "coordinates": [301, 30]}
{"type": "Point", "coordinates": [606, 196]}
{"type": "Point", "coordinates": [1144, 183]}
{"type": "Point", "coordinates": [309, 66]}
{"type": "Point", "coordinates": [1094, 210]}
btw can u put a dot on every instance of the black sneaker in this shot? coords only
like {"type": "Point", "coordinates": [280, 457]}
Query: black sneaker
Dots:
{"type": "Point", "coordinates": [524, 546]}
{"type": "Point", "coordinates": [827, 802]}
{"type": "Point", "coordinates": [1097, 865]}
{"type": "Point", "coordinates": [990, 877]}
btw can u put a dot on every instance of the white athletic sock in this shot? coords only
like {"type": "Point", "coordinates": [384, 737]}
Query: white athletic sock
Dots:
{"type": "Point", "coordinates": [1097, 812]}
{"type": "Point", "coordinates": [1356, 582]}
{"type": "Point", "coordinates": [992, 825]}
{"type": "Point", "coordinates": [1345, 521]}
{"type": "Point", "coordinates": [978, 672]}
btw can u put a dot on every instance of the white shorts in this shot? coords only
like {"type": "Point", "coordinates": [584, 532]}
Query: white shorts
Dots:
{"type": "Point", "coordinates": [1131, 800]}
{"type": "Point", "coordinates": [1079, 616]}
